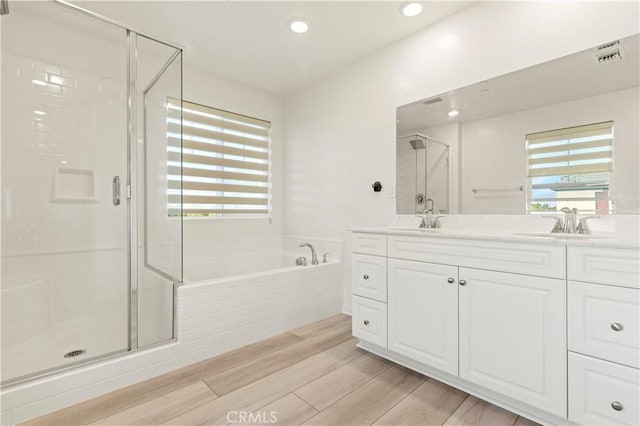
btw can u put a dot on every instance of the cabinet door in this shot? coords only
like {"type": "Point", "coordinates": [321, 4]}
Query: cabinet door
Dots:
{"type": "Point", "coordinates": [423, 312]}
{"type": "Point", "coordinates": [512, 336]}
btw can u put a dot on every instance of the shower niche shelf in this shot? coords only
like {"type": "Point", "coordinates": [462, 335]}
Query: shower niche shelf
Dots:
{"type": "Point", "coordinates": [71, 185]}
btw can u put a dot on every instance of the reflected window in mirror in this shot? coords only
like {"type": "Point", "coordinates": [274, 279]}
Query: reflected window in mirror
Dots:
{"type": "Point", "coordinates": [571, 167]}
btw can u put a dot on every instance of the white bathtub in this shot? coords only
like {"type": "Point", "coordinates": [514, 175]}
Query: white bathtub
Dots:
{"type": "Point", "coordinates": [241, 266]}
{"type": "Point", "coordinates": [235, 303]}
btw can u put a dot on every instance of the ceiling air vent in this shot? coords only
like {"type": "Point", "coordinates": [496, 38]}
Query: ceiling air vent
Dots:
{"type": "Point", "coordinates": [432, 101]}
{"type": "Point", "coordinates": [608, 53]}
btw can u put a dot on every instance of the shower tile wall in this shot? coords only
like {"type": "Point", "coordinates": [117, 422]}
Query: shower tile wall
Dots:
{"type": "Point", "coordinates": [64, 282]}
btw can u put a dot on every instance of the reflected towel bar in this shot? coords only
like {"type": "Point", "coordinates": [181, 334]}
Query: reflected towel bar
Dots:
{"type": "Point", "coordinates": [499, 189]}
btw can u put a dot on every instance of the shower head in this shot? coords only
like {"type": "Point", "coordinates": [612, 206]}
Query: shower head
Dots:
{"type": "Point", "coordinates": [4, 7]}
{"type": "Point", "coordinates": [416, 144]}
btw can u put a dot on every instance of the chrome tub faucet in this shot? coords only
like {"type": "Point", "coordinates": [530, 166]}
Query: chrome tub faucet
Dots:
{"type": "Point", "coordinates": [314, 255]}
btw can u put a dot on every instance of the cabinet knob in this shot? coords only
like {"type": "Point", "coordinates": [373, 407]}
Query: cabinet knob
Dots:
{"type": "Point", "coordinates": [366, 277]}
{"type": "Point", "coordinates": [616, 406]}
{"type": "Point", "coordinates": [616, 326]}
{"type": "Point", "coordinates": [462, 282]}
{"type": "Point", "coordinates": [450, 280]}
{"type": "Point", "coordinates": [366, 322]}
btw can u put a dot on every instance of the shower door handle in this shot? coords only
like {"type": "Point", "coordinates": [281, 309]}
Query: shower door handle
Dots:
{"type": "Point", "coordinates": [116, 190]}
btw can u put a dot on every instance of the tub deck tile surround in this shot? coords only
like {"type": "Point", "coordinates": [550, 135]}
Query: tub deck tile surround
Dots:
{"type": "Point", "coordinates": [312, 375]}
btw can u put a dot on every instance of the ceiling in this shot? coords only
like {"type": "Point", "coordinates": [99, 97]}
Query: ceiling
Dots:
{"type": "Point", "coordinates": [250, 42]}
{"type": "Point", "coordinates": [568, 78]}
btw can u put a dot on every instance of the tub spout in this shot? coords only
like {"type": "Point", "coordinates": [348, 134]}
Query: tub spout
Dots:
{"type": "Point", "coordinates": [314, 255]}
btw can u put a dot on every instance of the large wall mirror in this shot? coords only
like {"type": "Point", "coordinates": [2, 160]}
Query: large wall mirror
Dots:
{"type": "Point", "coordinates": [565, 133]}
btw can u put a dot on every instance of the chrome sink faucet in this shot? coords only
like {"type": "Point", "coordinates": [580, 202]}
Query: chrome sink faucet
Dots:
{"type": "Point", "coordinates": [570, 219]}
{"type": "Point", "coordinates": [570, 223]}
{"type": "Point", "coordinates": [430, 220]}
{"type": "Point", "coordinates": [426, 218]}
{"type": "Point", "coordinates": [435, 222]}
{"type": "Point", "coordinates": [314, 255]}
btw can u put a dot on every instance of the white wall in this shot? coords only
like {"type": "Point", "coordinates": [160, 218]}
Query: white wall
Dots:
{"type": "Point", "coordinates": [340, 132]}
{"type": "Point", "coordinates": [210, 90]}
{"type": "Point", "coordinates": [494, 153]}
{"type": "Point", "coordinates": [209, 236]}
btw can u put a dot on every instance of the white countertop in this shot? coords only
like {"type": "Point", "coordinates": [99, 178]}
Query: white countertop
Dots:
{"type": "Point", "coordinates": [609, 240]}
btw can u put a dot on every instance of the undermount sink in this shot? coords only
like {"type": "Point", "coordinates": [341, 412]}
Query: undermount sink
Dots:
{"type": "Point", "coordinates": [559, 235]}
{"type": "Point", "coordinates": [427, 230]}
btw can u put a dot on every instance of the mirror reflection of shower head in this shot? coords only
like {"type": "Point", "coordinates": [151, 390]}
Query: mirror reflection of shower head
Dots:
{"type": "Point", "coordinates": [4, 7]}
{"type": "Point", "coordinates": [417, 144]}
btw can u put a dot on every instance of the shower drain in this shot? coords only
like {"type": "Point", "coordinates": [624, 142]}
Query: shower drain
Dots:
{"type": "Point", "coordinates": [77, 352]}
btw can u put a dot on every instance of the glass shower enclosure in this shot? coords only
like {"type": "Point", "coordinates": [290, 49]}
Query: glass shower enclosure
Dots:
{"type": "Point", "coordinates": [422, 175]}
{"type": "Point", "coordinates": [91, 254]}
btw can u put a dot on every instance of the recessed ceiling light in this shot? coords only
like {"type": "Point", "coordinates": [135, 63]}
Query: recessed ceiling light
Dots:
{"type": "Point", "coordinates": [299, 25]}
{"type": "Point", "coordinates": [411, 8]}
{"type": "Point", "coordinates": [453, 113]}
{"type": "Point", "coordinates": [38, 112]}
{"type": "Point", "coordinates": [39, 82]}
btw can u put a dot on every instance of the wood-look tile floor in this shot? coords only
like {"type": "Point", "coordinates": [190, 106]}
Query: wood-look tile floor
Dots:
{"type": "Point", "coordinates": [312, 375]}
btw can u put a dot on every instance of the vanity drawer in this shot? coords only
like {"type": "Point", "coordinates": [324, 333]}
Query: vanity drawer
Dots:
{"type": "Point", "coordinates": [595, 386]}
{"type": "Point", "coordinates": [369, 320]}
{"type": "Point", "coordinates": [620, 267]}
{"type": "Point", "coordinates": [369, 276]}
{"type": "Point", "coordinates": [375, 244]}
{"type": "Point", "coordinates": [526, 259]}
{"type": "Point", "coordinates": [604, 321]}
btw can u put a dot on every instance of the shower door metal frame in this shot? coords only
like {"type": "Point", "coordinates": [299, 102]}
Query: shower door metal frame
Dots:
{"type": "Point", "coordinates": [130, 191]}
{"type": "Point", "coordinates": [110, 21]}
{"type": "Point", "coordinates": [132, 168]}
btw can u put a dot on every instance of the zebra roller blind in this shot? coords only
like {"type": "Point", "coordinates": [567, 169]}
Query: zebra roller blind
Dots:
{"type": "Point", "coordinates": [225, 162]}
{"type": "Point", "coordinates": [582, 149]}
{"type": "Point", "coordinates": [571, 165]}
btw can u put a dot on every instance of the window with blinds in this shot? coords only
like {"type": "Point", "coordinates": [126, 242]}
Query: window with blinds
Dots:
{"type": "Point", "coordinates": [225, 163]}
{"type": "Point", "coordinates": [571, 168]}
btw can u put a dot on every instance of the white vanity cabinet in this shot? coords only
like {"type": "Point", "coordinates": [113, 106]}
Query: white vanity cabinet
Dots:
{"type": "Point", "coordinates": [423, 312]}
{"type": "Point", "coordinates": [548, 330]}
{"type": "Point", "coordinates": [369, 287]}
{"type": "Point", "coordinates": [512, 336]}
{"type": "Point", "coordinates": [603, 335]}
